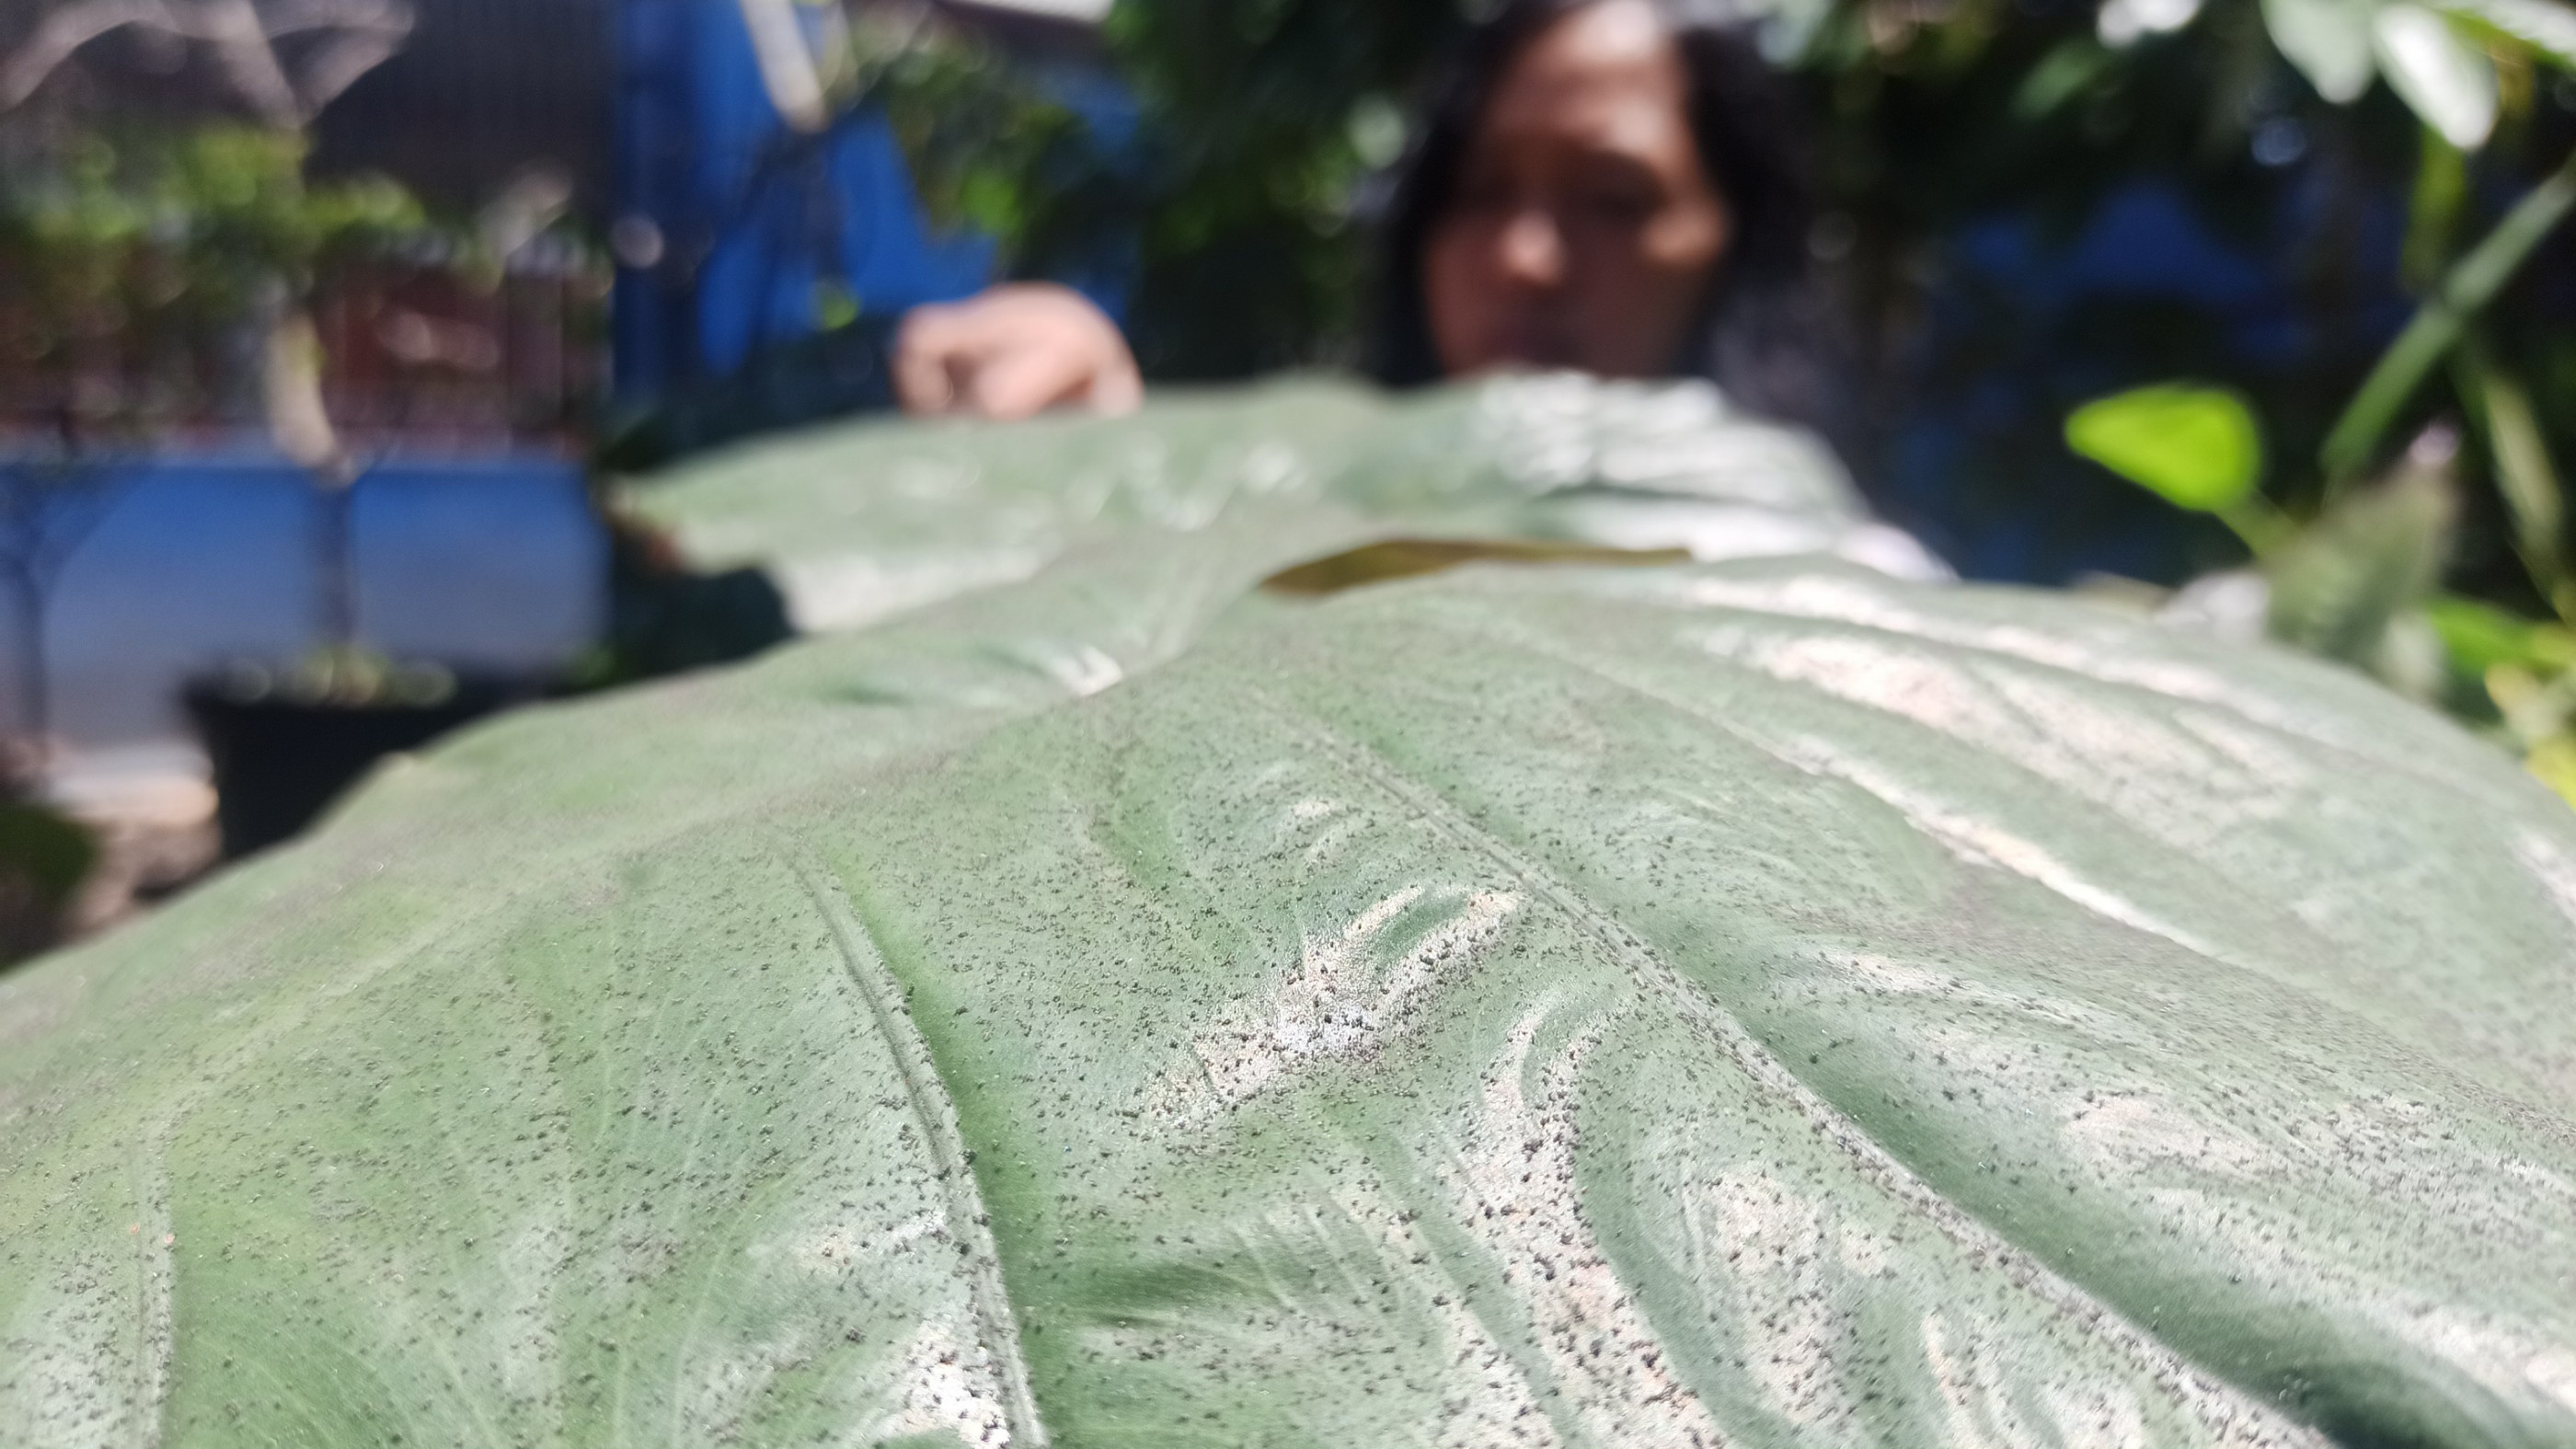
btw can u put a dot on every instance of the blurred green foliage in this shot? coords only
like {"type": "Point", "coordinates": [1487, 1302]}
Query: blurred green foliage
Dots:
{"type": "Point", "coordinates": [990, 151]}
{"type": "Point", "coordinates": [153, 244]}
{"type": "Point", "coordinates": [1262, 121]}
{"type": "Point", "coordinates": [2360, 579]}
{"type": "Point", "coordinates": [1266, 118]}
{"type": "Point", "coordinates": [45, 858]}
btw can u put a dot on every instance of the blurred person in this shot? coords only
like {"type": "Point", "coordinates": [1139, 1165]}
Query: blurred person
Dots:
{"type": "Point", "coordinates": [1607, 186]}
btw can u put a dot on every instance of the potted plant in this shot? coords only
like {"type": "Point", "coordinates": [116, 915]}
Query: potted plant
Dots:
{"type": "Point", "coordinates": [284, 742]}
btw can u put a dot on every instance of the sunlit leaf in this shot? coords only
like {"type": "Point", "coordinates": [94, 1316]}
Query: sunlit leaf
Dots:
{"type": "Point", "coordinates": [2328, 40]}
{"type": "Point", "coordinates": [2545, 28]}
{"type": "Point", "coordinates": [2553, 760]}
{"type": "Point", "coordinates": [2449, 83]}
{"type": "Point", "coordinates": [2481, 636]}
{"type": "Point", "coordinates": [1759, 1002]}
{"type": "Point", "coordinates": [2121, 22]}
{"type": "Point", "coordinates": [2341, 586]}
{"type": "Point", "coordinates": [2197, 447]}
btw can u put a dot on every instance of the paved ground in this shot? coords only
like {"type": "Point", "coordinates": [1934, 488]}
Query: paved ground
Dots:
{"type": "Point", "coordinates": [154, 815]}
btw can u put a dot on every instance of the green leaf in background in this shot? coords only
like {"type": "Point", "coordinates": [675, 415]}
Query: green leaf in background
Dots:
{"type": "Point", "coordinates": [2328, 40]}
{"type": "Point", "coordinates": [2436, 327]}
{"type": "Point", "coordinates": [2448, 83]}
{"type": "Point", "coordinates": [2553, 761]}
{"type": "Point", "coordinates": [2480, 637]}
{"type": "Point", "coordinates": [2196, 447]}
{"type": "Point", "coordinates": [2524, 474]}
{"type": "Point", "coordinates": [2436, 206]}
{"type": "Point", "coordinates": [2343, 586]}
{"type": "Point", "coordinates": [2063, 74]}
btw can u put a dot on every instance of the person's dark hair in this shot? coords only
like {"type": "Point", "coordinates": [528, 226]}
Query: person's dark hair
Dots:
{"type": "Point", "coordinates": [1767, 336]}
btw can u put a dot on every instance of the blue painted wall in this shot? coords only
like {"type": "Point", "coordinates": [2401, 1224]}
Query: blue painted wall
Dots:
{"type": "Point", "coordinates": [489, 563]}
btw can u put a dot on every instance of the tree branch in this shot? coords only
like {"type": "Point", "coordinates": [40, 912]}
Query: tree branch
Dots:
{"type": "Point", "coordinates": [343, 62]}
{"type": "Point", "coordinates": [290, 16]}
{"type": "Point", "coordinates": [242, 47]}
{"type": "Point", "coordinates": [65, 31]}
{"type": "Point", "coordinates": [243, 39]}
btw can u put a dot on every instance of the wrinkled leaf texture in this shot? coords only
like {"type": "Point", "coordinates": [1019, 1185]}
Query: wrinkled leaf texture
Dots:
{"type": "Point", "coordinates": [1756, 1001]}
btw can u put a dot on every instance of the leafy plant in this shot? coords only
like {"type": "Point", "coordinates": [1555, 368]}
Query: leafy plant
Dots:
{"type": "Point", "coordinates": [1120, 1006]}
{"type": "Point", "coordinates": [2440, 326]}
{"type": "Point", "coordinates": [145, 248]}
{"type": "Point", "coordinates": [2357, 581]}
{"type": "Point", "coordinates": [345, 677]}
{"type": "Point", "coordinates": [2197, 448]}
{"type": "Point", "coordinates": [993, 151]}
{"type": "Point", "coordinates": [50, 500]}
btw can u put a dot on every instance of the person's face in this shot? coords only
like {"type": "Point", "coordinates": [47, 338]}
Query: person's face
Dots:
{"type": "Point", "coordinates": [1584, 232]}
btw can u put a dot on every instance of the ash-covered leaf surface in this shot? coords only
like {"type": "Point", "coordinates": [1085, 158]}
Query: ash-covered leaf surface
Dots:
{"type": "Point", "coordinates": [1745, 1002]}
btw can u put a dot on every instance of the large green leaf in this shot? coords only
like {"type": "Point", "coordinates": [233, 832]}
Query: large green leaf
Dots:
{"type": "Point", "coordinates": [861, 523]}
{"type": "Point", "coordinates": [1754, 1002]}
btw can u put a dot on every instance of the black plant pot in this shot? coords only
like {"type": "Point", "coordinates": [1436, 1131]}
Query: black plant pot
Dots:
{"type": "Point", "coordinates": [279, 762]}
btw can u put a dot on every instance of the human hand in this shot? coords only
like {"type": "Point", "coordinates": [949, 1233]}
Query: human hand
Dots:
{"type": "Point", "coordinates": [1014, 351]}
